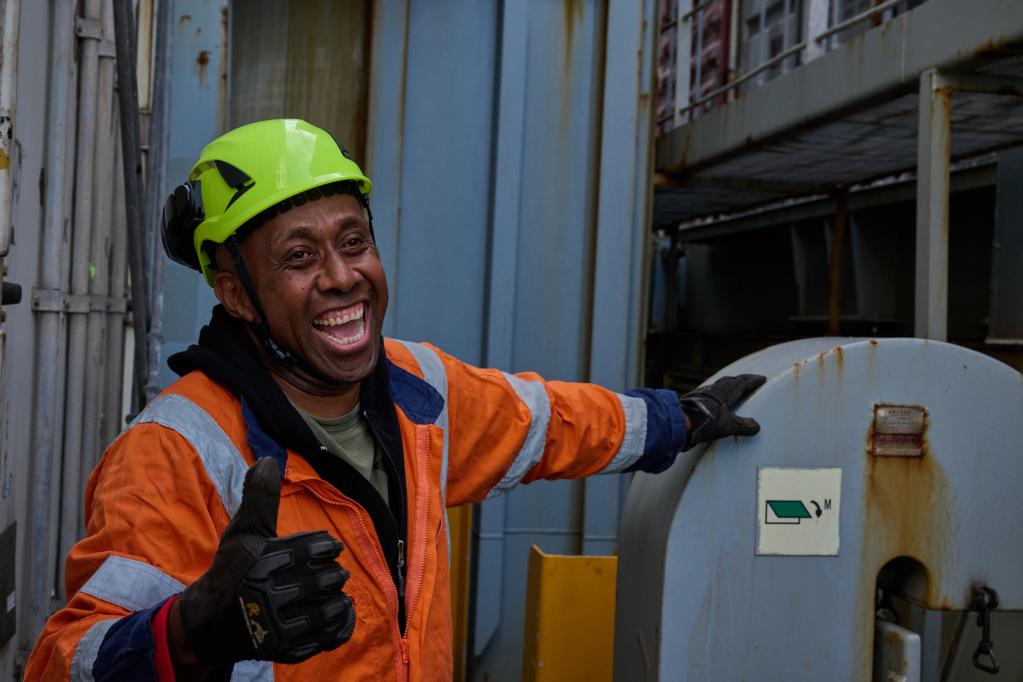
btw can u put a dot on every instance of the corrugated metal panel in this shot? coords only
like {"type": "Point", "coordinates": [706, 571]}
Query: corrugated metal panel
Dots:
{"type": "Point", "coordinates": [509, 179]}
{"type": "Point", "coordinates": [21, 339]}
{"type": "Point", "coordinates": [198, 113]}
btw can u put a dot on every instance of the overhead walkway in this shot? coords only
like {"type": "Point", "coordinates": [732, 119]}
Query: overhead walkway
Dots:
{"type": "Point", "coordinates": [940, 84]}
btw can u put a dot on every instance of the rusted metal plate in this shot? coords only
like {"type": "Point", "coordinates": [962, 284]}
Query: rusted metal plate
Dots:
{"type": "Point", "coordinates": [898, 430]}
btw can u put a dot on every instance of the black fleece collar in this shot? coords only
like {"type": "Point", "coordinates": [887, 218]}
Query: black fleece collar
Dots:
{"type": "Point", "coordinates": [227, 355]}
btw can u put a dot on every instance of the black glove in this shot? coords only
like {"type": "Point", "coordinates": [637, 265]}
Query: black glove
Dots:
{"type": "Point", "coordinates": [264, 597]}
{"type": "Point", "coordinates": [709, 409]}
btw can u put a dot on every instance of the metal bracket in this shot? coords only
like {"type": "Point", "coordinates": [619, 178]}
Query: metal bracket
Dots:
{"type": "Point", "coordinates": [56, 301]}
{"type": "Point", "coordinates": [48, 300]}
{"type": "Point", "coordinates": [88, 29]}
{"type": "Point", "coordinates": [107, 50]}
{"type": "Point", "coordinates": [115, 304]}
{"type": "Point", "coordinates": [76, 303]}
{"type": "Point", "coordinates": [985, 83]}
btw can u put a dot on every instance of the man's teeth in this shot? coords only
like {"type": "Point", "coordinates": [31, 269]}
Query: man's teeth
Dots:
{"type": "Point", "coordinates": [348, 316]}
{"type": "Point", "coordinates": [360, 331]}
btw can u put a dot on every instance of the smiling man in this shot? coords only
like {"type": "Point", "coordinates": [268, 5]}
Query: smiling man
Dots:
{"type": "Point", "coordinates": [216, 523]}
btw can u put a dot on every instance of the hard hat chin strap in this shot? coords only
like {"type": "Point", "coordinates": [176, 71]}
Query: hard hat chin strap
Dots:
{"type": "Point", "coordinates": [262, 329]}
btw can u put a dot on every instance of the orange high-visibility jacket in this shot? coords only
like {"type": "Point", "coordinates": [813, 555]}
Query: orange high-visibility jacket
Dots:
{"type": "Point", "coordinates": [165, 489]}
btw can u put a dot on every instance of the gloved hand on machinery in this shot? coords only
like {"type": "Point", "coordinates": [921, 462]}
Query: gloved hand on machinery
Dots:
{"type": "Point", "coordinates": [708, 409]}
{"type": "Point", "coordinates": [263, 597]}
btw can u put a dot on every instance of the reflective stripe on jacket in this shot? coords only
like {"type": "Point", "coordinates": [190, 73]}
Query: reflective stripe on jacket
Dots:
{"type": "Point", "coordinates": [166, 488]}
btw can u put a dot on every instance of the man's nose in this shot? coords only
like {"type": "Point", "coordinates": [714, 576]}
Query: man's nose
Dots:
{"type": "Point", "coordinates": [338, 273]}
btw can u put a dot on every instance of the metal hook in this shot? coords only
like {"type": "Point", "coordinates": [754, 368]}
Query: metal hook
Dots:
{"type": "Point", "coordinates": [985, 600]}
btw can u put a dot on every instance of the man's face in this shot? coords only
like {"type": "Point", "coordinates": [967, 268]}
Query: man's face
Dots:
{"type": "Point", "coordinates": [318, 275]}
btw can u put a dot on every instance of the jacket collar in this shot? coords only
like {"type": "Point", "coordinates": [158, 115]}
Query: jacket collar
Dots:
{"type": "Point", "coordinates": [226, 353]}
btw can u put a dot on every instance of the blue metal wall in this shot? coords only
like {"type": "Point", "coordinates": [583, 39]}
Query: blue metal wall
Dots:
{"type": "Point", "coordinates": [198, 108]}
{"type": "Point", "coordinates": [509, 146]}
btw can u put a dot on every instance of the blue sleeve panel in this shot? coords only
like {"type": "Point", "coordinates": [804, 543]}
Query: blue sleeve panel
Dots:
{"type": "Point", "coordinates": [126, 654]}
{"type": "Point", "coordinates": [665, 429]}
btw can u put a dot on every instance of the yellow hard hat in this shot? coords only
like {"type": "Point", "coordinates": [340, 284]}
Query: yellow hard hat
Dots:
{"type": "Point", "coordinates": [244, 172]}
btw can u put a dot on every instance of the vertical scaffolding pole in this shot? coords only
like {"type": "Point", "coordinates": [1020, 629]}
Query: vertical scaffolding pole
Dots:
{"type": "Point", "coordinates": [73, 467]}
{"type": "Point", "coordinates": [46, 425]}
{"type": "Point", "coordinates": [838, 228]}
{"type": "Point", "coordinates": [934, 149]}
{"type": "Point", "coordinates": [156, 164]}
{"type": "Point", "coordinates": [131, 157]}
{"type": "Point", "coordinates": [100, 350]}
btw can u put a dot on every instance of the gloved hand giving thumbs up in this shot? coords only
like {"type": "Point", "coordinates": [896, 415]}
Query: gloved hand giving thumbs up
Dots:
{"type": "Point", "coordinates": [265, 597]}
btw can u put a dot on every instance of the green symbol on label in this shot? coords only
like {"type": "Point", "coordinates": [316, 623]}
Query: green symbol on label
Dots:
{"type": "Point", "coordinates": [786, 511]}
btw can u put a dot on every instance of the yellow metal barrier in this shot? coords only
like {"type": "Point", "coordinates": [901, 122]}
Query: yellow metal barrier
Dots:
{"type": "Point", "coordinates": [570, 618]}
{"type": "Point", "coordinates": [460, 527]}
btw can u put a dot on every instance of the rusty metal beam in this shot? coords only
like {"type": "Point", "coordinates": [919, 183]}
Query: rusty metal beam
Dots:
{"type": "Point", "coordinates": [756, 185]}
{"type": "Point", "coordinates": [888, 60]}
{"type": "Point", "coordinates": [985, 83]}
{"type": "Point", "coordinates": [838, 227]}
{"type": "Point", "coordinates": [934, 148]}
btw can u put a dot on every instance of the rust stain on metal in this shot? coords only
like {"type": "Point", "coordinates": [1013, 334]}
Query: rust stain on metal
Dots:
{"type": "Point", "coordinates": [222, 82]}
{"type": "Point", "coordinates": [203, 61]}
{"type": "Point", "coordinates": [821, 362]}
{"type": "Point", "coordinates": [573, 13]}
{"type": "Point", "coordinates": [873, 342]}
{"type": "Point", "coordinates": [184, 19]}
{"type": "Point", "coordinates": [906, 514]}
{"type": "Point", "coordinates": [996, 48]}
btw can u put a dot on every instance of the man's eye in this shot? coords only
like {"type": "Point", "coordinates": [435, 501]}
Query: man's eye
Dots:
{"type": "Point", "coordinates": [355, 242]}
{"type": "Point", "coordinates": [297, 256]}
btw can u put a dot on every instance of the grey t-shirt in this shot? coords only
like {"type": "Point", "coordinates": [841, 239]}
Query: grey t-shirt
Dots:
{"type": "Point", "coordinates": [350, 438]}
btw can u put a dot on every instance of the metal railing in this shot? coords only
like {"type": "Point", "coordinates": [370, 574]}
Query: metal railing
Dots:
{"type": "Point", "coordinates": [805, 50]}
{"type": "Point", "coordinates": [858, 19]}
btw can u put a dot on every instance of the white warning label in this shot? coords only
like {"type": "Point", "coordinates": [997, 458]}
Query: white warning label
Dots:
{"type": "Point", "coordinates": [798, 511]}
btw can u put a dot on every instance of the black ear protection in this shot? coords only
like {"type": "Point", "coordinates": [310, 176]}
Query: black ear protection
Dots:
{"type": "Point", "coordinates": [182, 214]}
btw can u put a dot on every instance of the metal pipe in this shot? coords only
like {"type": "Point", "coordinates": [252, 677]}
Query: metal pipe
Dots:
{"type": "Point", "coordinates": [778, 58]}
{"type": "Point", "coordinates": [852, 21]}
{"type": "Point", "coordinates": [127, 91]}
{"type": "Point", "coordinates": [835, 264]}
{"type": "Point", "coordinates": [8, 98]}
{"type": "Point", "coordinates": [934, 149]}
{"type": "Point", "coordinates": [113, 420]}
{"type": "Point", "coordinates": [45, 423]}
{"type": "Point", "coordinates": [156, 167]}
{"type": "Point", "coordinates": [99, 256]}
{"type": "Point", "coordinates": [81, 238]}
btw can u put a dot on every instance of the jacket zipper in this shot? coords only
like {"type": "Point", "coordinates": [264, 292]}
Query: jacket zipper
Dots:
{"type": "Point", "coordinates": [401, 570]}
{"type": "Point", "coordinates": [422, 514]}
{"type": "Point", "coordinates": [401, 524]}
{"type": "Point", "coordinates": [378, 554]}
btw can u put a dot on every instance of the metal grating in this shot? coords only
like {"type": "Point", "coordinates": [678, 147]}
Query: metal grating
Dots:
{"type": "Point", "coordinates": [874, 142]}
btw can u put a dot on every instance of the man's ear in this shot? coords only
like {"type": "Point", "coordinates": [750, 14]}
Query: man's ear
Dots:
{"type": "Point", "coordinates": [227, 287]}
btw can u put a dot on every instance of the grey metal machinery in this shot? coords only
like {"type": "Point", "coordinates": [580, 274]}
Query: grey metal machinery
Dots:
{"type": "Point", "coordinates": [872, 530]}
